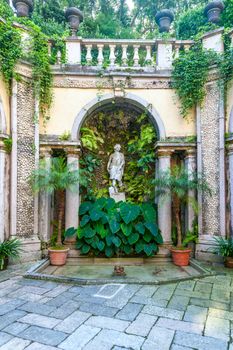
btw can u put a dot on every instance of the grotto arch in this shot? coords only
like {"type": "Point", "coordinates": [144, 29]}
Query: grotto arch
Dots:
{"type": "Point", "coordinates": [130, 99]}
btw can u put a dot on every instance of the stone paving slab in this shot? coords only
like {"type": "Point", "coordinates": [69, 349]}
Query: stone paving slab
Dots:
{"type": "Point", "coordinates": [194, 314]}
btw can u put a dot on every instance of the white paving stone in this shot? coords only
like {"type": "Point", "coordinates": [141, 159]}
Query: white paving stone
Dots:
{"type": "Point", "coordinates": [181, 325]}
{"type": "Point", "coordinates": [195, 314]}
{"type": "Point", "coordinates": [217, 328]}
{"type": "Point", "coordinates": [72, 322]}
{"type": "Point", "coordinates": [38, 346]}
{"type": "Point", "coordinates": [159, 339]}
{"type": "Point", "coordinates": [142, 325]}
{"type": "Point", "coordinates": [163, 312]}
{"type": "Point", "coordinates": [39, 320]}
{"type": "Point", "coordinates": [79, 338]}
{"type": "Point", "coordinates": [15, 344]}
{"type": "Point", "coordinates": [107, 323]}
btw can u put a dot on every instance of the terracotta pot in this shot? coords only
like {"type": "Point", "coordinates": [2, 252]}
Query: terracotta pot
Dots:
{"type": "Point", "coordinates": [164, 19]}
{"type": "Point", "coordinates": [213, 11]}
{"type": "Point", "coordinates": [58, 256]}
{"type": "Point", "coordinates": [23, 7]}
{"type": "Point", "coordinates": [180, 257]}
{"type": "Point", "coordinates": [229, 262]}
{"type": "Point", "coordinates": [74, 17]}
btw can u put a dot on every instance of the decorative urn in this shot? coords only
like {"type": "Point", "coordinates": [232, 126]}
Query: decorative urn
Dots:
{"type": "Point", "coordinates": [164, 18]}
{"type": "Point", "coordinates": [74, 17]}
{"type": "Point", "coordinates": [23, 7]}
{"type": "Point", "coordinates": [213, 11]}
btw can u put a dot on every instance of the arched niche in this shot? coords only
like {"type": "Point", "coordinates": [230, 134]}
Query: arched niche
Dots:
{"type": "Point", "coordinates": [129, 99]}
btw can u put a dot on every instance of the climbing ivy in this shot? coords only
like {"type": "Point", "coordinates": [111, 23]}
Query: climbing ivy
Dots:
{"type": "Point", "coordinates": [190, 74]}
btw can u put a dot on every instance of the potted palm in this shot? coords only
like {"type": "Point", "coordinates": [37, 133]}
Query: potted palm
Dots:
{"type": "Point", "coordinates": [59, 177]}
{"type": "Point", "coordinates": [224, 248]}
{"type": "Point", "coordinates": [9, 249]}
{"type": "Point", "coordinates": [177, 183]}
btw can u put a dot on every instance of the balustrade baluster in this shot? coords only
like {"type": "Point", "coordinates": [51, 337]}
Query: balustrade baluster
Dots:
{"type": "Point", "coordinates": [112, 56]}
{"type": "Point", "coordinates": [100, 57]}
{"type": "Point", "coordinates": [148, 55]}
{"type": "Point", "coordinates": [124, 55]}
{"type": "Point", "coordinates": [89, 55]}
{"type": "Point", "coordinates": [177, 50]}
{"type": "Point", "coordinates": [136, 55]}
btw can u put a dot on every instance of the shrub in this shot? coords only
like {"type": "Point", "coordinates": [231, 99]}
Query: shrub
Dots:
{"type": "Point", "coordinates": [111, 228]}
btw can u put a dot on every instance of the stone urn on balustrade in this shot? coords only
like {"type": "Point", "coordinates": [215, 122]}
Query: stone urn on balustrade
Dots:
{"type": "Point", "coordinates": [74, 17]}
{"type": "Point", "coordinates": [23, 7]}
{"type": "Point", "coordinates": [213, 11]}
{"type": "Point", "coordinates": [164, 20]}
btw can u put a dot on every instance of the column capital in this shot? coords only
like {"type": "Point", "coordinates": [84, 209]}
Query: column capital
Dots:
{"type": "Point", "coordinates": [190, 153]}
{"type": "Point", "coordinates": [45, 152]}
{"type": "Point", "coordinates": [164, 152]}
{"type": "Point", "coordinates": [73, 151]}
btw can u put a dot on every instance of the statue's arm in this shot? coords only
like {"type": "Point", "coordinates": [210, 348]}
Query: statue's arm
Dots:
{"type": "Point", "coordinates": [109, 163]}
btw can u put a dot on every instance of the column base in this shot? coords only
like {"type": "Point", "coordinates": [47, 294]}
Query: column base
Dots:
{"type": "Point", "coordinates": [31, 249]}
{"type": "Point", "coordinates": [204, 249]}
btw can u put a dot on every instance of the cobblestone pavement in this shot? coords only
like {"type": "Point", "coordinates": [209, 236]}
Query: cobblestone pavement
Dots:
{"type": "Point", "coordinates": [40, 315]}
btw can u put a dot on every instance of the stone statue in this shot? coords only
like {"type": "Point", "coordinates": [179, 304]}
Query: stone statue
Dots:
{"type": "Point", "coordinates": [116, 166]}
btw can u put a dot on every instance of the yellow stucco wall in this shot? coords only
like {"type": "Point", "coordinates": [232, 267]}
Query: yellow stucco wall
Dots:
{"type": "Point", "coordinates": [6, 102]}
{"type": "Point", "coordinates": [68, 102]}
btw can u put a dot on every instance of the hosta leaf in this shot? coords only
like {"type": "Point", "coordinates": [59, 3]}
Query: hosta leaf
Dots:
{"type": "Point", "coordinates": [153, 228]}
{"type": "Point", "coordinates": [129, 212]}
{"type": "Point", "coordinates": [100, 245]}
{"type": "Point", "coordinates": [148, 249]}
{"type": "Point", "coordinates": [110, 203]}
{"type": "Point", "coordinates": [116, 241]}
{"type": "Point", "coordinates": [109, 240]}
{"type": "Point", "coordinates": [88, 232]}
{"type": "Point", "coordinates": [140, 228]}
{"type": "Point", "coordinates": [80, 232]}
{"type": "Point", "coordinates": [100, 203]}
{"type": "Point", "coordinates": [126, 229]}
{"type": "Point", "coordinates": [85, 207]}
{"type": "Point", "coordinates": [139, 247]}
{"type": "Point", "coordinates": [114, 225]}
{"type": "Point", "coordinates": [101, 230]}
{"type": "Point", "coordinates": [149, 212]}
{"type": "Point", "coordinates": [95, 214]}
{"type": "Point", "coordinates": [159, 238]}
{"type": "Point", "coordinates": [104, 218]}
{"type": "Point", "coordinates": [79, 244]}
{"type": "Point", "coordinates": [109, 252]}
{"type": "Point", "coordinates": [147, 237]}
{"type": "Point", "coordinates": [85, 249]}
{"type": "Point", "coordinates": [85, 220]}
{"type": "Point", "coordinates": [132, 239]}
{"type": "Point", "coordinates": [70, 232]}
{"type": "Point", "coordinates": [127, 249]}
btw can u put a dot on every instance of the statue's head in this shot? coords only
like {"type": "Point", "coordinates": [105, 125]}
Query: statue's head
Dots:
{"type": "Point", "coordinates": [117, 147]}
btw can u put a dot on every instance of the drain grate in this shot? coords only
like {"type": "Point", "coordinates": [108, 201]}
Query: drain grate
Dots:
{"type": "Point", "coordinates": [109, 291]}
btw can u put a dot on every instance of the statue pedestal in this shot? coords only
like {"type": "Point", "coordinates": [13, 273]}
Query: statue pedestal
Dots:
{"type": "Point", "coordinates": [118, 197]}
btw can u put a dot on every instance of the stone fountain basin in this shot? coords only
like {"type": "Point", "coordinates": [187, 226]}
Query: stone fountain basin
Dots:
{"type": "Point", "coordinates": [100, 271]}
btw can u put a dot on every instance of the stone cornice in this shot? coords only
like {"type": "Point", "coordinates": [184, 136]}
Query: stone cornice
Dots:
{"type": "Point", "coordinates": [167, 147]}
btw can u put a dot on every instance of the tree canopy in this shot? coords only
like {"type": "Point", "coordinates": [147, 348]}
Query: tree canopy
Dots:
{"type": "Point", "coordinates": [114, 19]}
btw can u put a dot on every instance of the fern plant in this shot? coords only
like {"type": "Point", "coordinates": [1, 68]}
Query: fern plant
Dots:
{"type": "Point", "coordinates": [177, 183]}
{"type": "Point", "coordinates": [9, 249]}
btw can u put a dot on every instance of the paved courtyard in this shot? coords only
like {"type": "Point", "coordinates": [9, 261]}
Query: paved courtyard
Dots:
{"type": "Point", "coordinates": [40, 315]}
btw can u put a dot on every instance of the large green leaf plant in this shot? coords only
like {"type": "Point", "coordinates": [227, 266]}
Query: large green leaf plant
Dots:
{"type": "Point", "coordinates": [112, 229]}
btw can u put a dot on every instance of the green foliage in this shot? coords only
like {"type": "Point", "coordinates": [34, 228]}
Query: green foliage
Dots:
{"type": "Point", "coordinates": [190, 74]}
{"type": "Point", "coordinates": [91, 139]}
{"type": "Point", "coordinates": [224, 247]}
{"type": "Point", "coordinates": [177, 183]}
{"type": "Point", "coordinates": [65, 136]}
{"type": "Point", "coordinates": [111, 228]}
{"type": "Point", "coordinates": [11, 50]}
{"type": "Point", "coordinates": [190, 23]}
{"type": "Point", "coordinates": [8, 145]}
{"type": "Point", "coordinates": [9, 249]}
{"type": "Point", "coordinates": [60, 176]}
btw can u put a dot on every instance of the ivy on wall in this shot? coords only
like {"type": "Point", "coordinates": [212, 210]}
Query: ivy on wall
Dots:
{"type": "Point", "coordinates": [12, 50]}
{"type": "Point", "coordinates": [191, 70]}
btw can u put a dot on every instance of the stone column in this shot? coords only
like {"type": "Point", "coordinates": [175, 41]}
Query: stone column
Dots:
{"type": "Point", "coordinates": [190, 165]}
{"type": "Point", "coordinates": [230, 158]}
{"type": "Point", "coordinates": [45, 202]}
{"type": "Point", "coordinates": [164, 205]}
{"type": "Point", "coordinates": [211, 164]}
{"type": "Point", "coordinates": [72, 197]}
{"type": "Point", "coordinates": [23, 162]}
{"type": "Point", "coordinates": [2, 189]}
